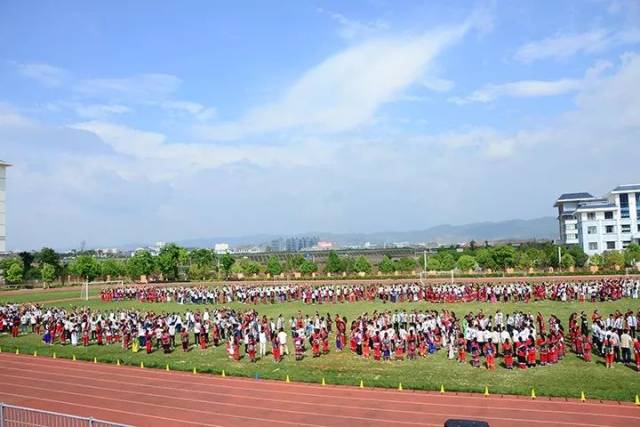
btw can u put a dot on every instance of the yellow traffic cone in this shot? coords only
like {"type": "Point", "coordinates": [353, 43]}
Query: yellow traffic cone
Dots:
{"type": "Point", "coordinates": [54, 355]}
{"type": "Point", "coordinates": [287, 380]}
{"type": "Point", "coordinates": [637, 400]}
{"type": "Point", "coordinates": [117, 362]}
{"type": "Point", "coordinates": [324, 383]}
{"type": "Point", "coordinates": [223, 375]}
{"type": "Point", "coordinates": [142, 365]}
{"type": "Point", "coordinates": [400, 387]}
{"type": "Point", "coordinates": [583, 398]}
{"type": "Point", "coordinates": [441, 388]}
{"type": "Point", "coordinates": [35, 353]}
{"type": "Point", "coordinates": [17, 350]}
{"type": "Point", "coordinates": [166, 368]}
{"type": "Point", "coordinates": [95, 360]}
{"type": "Point", "coordinates": [73, 357]}
{"type": "Point", "coordinates": [361, 384]}
{"type": "Point", "coordinates": [486, 390]}
{"type": "Point", "coordinates": [533, 393]}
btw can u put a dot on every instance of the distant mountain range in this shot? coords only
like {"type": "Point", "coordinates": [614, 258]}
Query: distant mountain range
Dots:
{"type": "Point", "coordinates": [516, 229]}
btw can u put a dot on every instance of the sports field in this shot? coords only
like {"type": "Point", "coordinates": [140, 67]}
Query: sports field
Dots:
{"type": "Point", "coordinates": [569, 378]}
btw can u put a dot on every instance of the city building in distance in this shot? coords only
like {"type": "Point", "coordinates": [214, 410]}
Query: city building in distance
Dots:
{"type": "Point", "coordinates": [3, 209]}
{"type": "Point", "coordinates": [600, 224]}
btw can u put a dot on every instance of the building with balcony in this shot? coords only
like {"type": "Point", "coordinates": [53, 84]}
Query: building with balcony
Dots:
{"type": "Point", "coordinates": [600, 224]}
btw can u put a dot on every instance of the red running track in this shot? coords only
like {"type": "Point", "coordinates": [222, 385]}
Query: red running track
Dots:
{"type": "Point", "coordinates": [150, 397]}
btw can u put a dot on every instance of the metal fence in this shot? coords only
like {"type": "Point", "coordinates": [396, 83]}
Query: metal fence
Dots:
{"type": "Point", "coordinates": [17, 416]}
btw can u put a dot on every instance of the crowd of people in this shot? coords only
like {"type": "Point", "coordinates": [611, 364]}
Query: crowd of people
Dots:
{"type": "Point", "coordinates": [241, 332]}
{"type": "Point", "coordinates": [521, 340]}
{"type": "Point", "coordinates": [594, 290]}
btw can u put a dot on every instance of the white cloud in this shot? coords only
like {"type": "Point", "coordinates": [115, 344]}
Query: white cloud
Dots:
{"type": "Point", "coordinates": [521, 89]}
{"type": "Point", "coordinates": [351, 28]}
{"type": "Point", "coordinates": [96, 111]}
{"type": "Point", "coordinates": [345, 91]}
{"type": "Point", "coordinates": [533, 88]}
{"type": "Point", "coordinates": [194, 109]}
{"type": "Point", "coordinates": [137, 88]}
{"type": "Point", "coordinates": [45, 74]}
{"type": "Point", "coordinates": [562, 46]}
{"type": "Point", "coordinates": [174, 159]}
{"type": "Point", "coordinates": [437, 84]}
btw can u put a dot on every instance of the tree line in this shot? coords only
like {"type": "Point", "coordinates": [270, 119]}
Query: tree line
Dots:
{"type": "Point", "coordinates": [178, 263]}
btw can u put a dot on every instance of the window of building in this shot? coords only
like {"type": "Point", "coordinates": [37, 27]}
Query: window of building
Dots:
{"type": "Point", "coordinates": [593, 246]}
{"type": "Point", "coordinates": [624, 205]}
{"type": "Point", "coordinates": [611, 245]}
{"type": "Point", "coordinates": [592, 229]}
{"type": "Point", "coordinates": [609, 215]}
{"type": "Point", "coordinates": [638, 207]}
{"type": "Point", "coordinates": [591, 216]}
{"type": "Point", "coordinates": [608, 229]}
{"type": "Point", "coordinates": [638, 228]}
{"type": "Point", "coordinates": [626, 228]}
{"type": "Point", "coordinates": [625, 244]}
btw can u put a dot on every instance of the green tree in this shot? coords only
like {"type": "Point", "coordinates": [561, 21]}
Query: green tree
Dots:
{"type": "Point", "coordinates": [485, 259]}
{"type": "Point", "coordinates": [85, 266]}
{"type": "Point", "coordinates": [227, 261]}
{"type": "Point", "coordinates": [140, 264]}
{"type": "Point", "coordinates": [466, 262]}
{"type": "Point", "coordinates": [568, 261]}
{"type": "Point", "coordinates": [273, 266]}
{"type": "Point", "coordinates": [632, 255]}
{"type": "Point", "coordinates": [447, 260]}
{"type": "Point", "coordinates": [578, 255]}
{"type": "Point", "coordinates": [504, 256]}
{"type": "Point", "coordinates": [406, 264]}
{"type": "Point", "coordinates": [169, 261]}
{"type": "Point", "coordinates": [536, 257]}
{"type": "Point", "coordinates": [307, 267]}
{"type": "Point", "coordinates": [433, 263]}
{"type": "Point", "coordinates": [613, 258]}
{"type": "Point", "coordinates": [15, 273]}
{"type": "Point", "coordinates": [295, 262]}
{"type": "Point", "coordinates": [386, 265]}
{"type": "Point", "coordinates": [49, 256]}
{"type": "Point", "coordinates": [27, 259]}
{"type": "Point", "coordinates": [249, 267]}
{"type": "Point", "coordinates": [348, 264]}
{"type": "Point", "coordinates": [334, 263]}
{"type": "Point", "coordinates": [523, 261]}
{"type": "Point", "coordinates": [362, 265]}
{"type": "Point", "coordinates": [202, 257]}
{"type": "Point", "coordinates": [197, 272]}
{"type": "Point", "coordinates": [596, 260]}
{"type": "Point", "coordinates": [113, 268]}
{"type": "Point", "coordinates": [48, 273]}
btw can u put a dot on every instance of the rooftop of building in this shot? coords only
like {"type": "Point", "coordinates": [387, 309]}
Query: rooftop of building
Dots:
{"type": "Point", "coordinates": [596, 204]}
{"type": "Point", "coordinates": [626, 188]}
{"type": "Point", "coordinates": [573, 197]}
{"type": "Point", "coordinates": [3, 163]}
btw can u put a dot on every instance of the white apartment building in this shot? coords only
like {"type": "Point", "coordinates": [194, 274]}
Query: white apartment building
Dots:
{"type": "Point", "coordinates": [3, 198]}
{"type": "Point", "coordinates": [600, 224]}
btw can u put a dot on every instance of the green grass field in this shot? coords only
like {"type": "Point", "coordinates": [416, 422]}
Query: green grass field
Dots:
{"type": "Point", "coordinates": [568, 378]}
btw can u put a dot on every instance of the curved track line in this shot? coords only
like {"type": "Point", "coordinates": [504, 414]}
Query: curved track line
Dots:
{"type": "Point", "coordinates": [251, 394]}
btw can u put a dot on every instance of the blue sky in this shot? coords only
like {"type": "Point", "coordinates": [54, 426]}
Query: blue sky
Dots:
{"type": "Point", "coordinates": [144, 121]}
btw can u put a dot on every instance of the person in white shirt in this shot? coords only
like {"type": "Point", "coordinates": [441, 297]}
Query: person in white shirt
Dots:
{"type": "Point", "coordinates": [282, 339]}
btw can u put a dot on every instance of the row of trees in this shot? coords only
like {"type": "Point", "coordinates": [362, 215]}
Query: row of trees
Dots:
{"type": "Point", "coordinates": [537, 256]}
{"type": "Point", "coordinates": [177, 263]}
